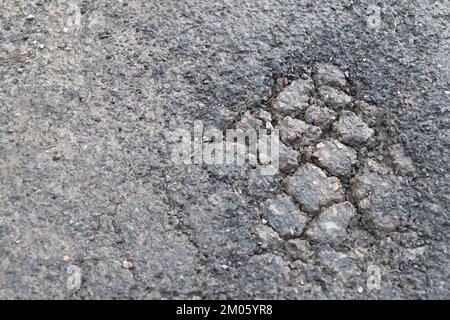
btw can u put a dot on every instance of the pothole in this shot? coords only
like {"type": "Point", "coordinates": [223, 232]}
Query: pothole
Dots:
{"type": "Point", "coordinates": [330, 172]}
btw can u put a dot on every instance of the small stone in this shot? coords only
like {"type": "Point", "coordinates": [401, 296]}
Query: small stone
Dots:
{"type": "Point", "coordinates": [311, 187]}
{"type": "Point", "coordinates": [30, 17]}
{"type": "Point", "coordinates": [334, 98]}
{"type": "Point", "coordinates": [330, 226]}
{"type": "Point", "coordinates": [66, 258]}
{"type": "Point", "coordinates": [127, 264]}
{"type": "Point", "coordinates": [335, 157]}
{"type": "Point", "coordinates": [264, 221]}
{"type": "Point", "coordinates": [326, 74]}
{"type": "Point", "coordinates": [351, 129]}
{"type": "Point", "coordinates": [360, 289]}
{"type": "Point", "coordinates": [319, 116]}
{"type": "Point", "coordinates": [294, 98]}
{"type": "Point", "coordinates": [284, 217]}
{"type": "Point", "coordinates": [57, 157]}
{"type": "Point", "coordinates": [297, 133]}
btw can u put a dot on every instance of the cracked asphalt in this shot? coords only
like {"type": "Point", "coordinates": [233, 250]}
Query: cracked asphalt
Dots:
{"type": "Point", "coordinates": [92, 207]}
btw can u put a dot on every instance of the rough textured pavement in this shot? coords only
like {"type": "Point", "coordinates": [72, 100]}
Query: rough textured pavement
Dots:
{"type": "Point", "coordinates": [92, 207]}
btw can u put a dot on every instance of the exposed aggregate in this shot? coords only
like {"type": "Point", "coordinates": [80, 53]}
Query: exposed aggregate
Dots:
{"type": "Point", "coordinates": [327, 178]}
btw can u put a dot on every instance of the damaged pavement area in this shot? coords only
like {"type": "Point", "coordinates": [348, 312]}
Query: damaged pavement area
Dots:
{"type": "Point", "coordinates": [91, 206]}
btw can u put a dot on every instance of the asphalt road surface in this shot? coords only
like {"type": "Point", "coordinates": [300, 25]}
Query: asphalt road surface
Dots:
{"type": "Point", "coordinates": [92, 207]}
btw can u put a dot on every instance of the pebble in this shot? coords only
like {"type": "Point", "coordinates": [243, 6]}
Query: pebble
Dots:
{"type": "Point", "coordinates": [127, 264]}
